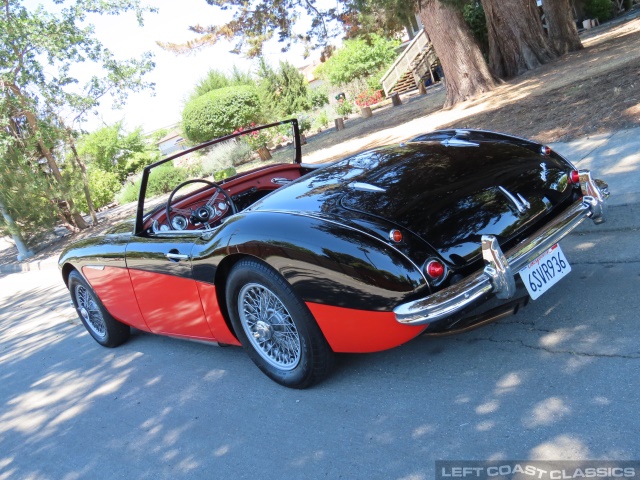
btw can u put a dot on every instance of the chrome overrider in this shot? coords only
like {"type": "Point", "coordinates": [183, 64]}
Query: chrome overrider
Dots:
{"type": "Point", "coordinates": [497, 277]}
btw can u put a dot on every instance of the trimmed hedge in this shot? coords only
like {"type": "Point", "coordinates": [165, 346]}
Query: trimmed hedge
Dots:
{"type": "Point", "coordinates": [220, 112]}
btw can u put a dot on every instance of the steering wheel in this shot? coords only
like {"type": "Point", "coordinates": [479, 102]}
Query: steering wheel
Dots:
{"type": "Point", "coordinates": [216, 207]}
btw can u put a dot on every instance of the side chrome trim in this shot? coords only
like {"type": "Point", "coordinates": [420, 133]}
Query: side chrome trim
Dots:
{"type": "Point", "coordinates": [95, 267]}
{"type": "Point", "coordinates": [497, 277]}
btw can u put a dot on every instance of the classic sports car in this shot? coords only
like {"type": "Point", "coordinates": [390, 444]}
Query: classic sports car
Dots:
{"type": "Point", "coordinates": [295, 262]}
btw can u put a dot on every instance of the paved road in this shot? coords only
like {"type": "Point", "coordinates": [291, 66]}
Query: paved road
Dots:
{"type": "Point", "coordinates": [558, 381]}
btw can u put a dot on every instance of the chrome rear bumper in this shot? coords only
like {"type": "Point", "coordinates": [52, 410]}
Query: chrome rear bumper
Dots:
{"type": "Point", "coordinates": [497, 277]}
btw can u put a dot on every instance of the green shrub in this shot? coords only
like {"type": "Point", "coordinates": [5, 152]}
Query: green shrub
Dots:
{"type": "Point", "coordinates": [318, 98]}
{"type": "Point", "coordinates": [600, 9]}
{"type": "Point", "coordinates": [321, 120]}
{"type": "Point", "coordinates": [222, 174]}
{"type": "Point", "coordinates": [358, 58]}
{"type": "Point", "coordinates": [217, 79]}
{"type": "Point", "coordinates": [225, 155]}
{"type": "Point", "coordinates": [344, 107]}
{"type": "Point", "coordinates": [220, 112]}
{"type": "Point", "coordinates": [162, 179]}
{"type": "Point", "coordinates": [304, 123]}
{"type": "Point", "coordinates": [165, 178]}
{"type": "Point", "coordinates": [128, 193]}
{"type": "Point", "coordinates": [282, 91]}
{"type": "Point", "coordinates": [102, 186]}
{"type": "Point", "coordinates": [474, 15]}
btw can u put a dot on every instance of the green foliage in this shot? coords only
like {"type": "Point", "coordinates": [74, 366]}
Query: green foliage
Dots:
{"type": "Point", "coordinates": [344, 107]}
{"type": "Point", "coordinates": [381, 17]}
{"type": "Point", "coordinates": [23, 194]}
{"type": "Point", "coordinates": [304, 123]}
{"type": "Point", "coordinates": [220, 112]}
{"type": "Point", "coordinates": [473, 14]}
{"type": "Point", "coordinates": [128, 193]}
{"type": "Point", "coordinates": [224, 155]}
{"type": "Point", "coordinates": [600, 9]}
{"type": "Point", "coordinates": [216, 79]}
{"type": "Point", "coordinates": [103, 187]}
{"type": "Point", "coordinates": [318, 97]}
{"type": "Point", "coordinates": [158, 135]}
{"type": "Point", "coordinates": [358, 58]}
{"type": "Point", "coordinates": [162, 179]}
{"type": "Point", "coordinates": [222, 174]}
{"type": "Point", "coordinates": [321, 120]}
{"type": "Point", "coordinates": [257, 139]}
{"type": "Point", "coordinates": [38, 50]}
{"type": "Point", "coordinates": [282, 92]}
{"type": "Point", "coordinates": [111, 149]}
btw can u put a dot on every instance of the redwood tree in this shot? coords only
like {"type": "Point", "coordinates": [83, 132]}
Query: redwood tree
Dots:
{"type": "Point", "coordinates": [465, 69]}
{"type": "Point", "coordinates": [562, 27]}
{"type": "Point", "coordinates": [517, 42]}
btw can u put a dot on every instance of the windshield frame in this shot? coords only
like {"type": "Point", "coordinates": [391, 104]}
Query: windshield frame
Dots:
{"type": "Point", "coordinates": [147, 170]}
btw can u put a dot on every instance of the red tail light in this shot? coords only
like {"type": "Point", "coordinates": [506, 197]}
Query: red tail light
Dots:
{"type": "Point", "coordinates": [574, 177]}
{"type": "Point", "coordinates": [545, 150]}
{"type": "Point", "coordinates": [395, 236]}
{"type": "Point", "coordinates": [434, 269]}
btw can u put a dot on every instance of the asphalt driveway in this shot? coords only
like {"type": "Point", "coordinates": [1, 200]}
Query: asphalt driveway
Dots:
{"type": "Point", "coordinates": [557, 381]}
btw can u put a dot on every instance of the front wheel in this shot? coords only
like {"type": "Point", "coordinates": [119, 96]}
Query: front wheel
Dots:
{"type": "Point", "coordinates": [104, 329]}
{"type": "Point", "coordinates": [275, 327]}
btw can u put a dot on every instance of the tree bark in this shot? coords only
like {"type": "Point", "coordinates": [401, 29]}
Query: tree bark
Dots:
{"type": "Point", "coordinates": [517, 42]}
{"type": "Point", "coordinates": [563, 33]}
{"type": "Point", "coordinates": [14, 230]}
{"type": "Point", "coordinates": [465, 69]}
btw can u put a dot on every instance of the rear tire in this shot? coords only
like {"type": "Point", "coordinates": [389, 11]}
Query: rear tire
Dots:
{"type": "Point", "coordinates": [104, 329]}
{"type": "Point", "coordinates": [275, 327]}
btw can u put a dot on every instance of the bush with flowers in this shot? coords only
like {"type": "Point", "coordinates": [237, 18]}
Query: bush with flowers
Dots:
{"type": "Point", "coordinates": [368, 98]}
{"type": "Point", "coordinates": [256, 139]}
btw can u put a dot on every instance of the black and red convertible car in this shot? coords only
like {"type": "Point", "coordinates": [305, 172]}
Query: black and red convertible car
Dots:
{"type": "Point", "coordinates": [295, 262]}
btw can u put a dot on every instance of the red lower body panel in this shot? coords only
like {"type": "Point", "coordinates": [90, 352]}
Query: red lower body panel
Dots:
{"type": "Point", "coordinates": [360, 331]}
{"type": "Point", "coordinates": [218, 326]}
{"type": "Point", "coordinates": [170, 305]}
{"type": "Point", "coordinates": [113, 287]}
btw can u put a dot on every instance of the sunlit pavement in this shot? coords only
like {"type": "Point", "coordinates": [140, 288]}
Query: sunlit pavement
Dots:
{"type": "Point", "coordinates": [557, 381]}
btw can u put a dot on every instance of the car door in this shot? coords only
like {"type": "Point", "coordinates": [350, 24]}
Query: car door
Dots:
{"type": "Point", "coordinates": [160, 270]}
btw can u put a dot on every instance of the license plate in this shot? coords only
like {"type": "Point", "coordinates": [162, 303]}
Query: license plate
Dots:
{"type": "Point", "coordinates": [545, 271]}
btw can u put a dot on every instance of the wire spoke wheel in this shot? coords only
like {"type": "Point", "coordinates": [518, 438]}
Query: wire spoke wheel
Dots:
{"type": "Point", "coordinates": [89, 311]}
{"type": "Point", "coordinates": [269, 326]}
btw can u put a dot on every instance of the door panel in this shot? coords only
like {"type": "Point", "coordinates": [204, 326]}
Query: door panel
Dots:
{"type": "Point", "coordinates": [170, 305]}
{"type": "Point", "coordinates": [160, 271]}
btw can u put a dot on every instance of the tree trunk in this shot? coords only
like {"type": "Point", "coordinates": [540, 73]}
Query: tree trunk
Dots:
{"type": "Point", "coordinates": [516, 40]}
{"type": "Point", "coordinates": [562, 27]}
{"type": "Point", "coordinates": [77, 219]}
{"type": "Point", "coordinates": [21, 245]}
{"type": "Point", "coordinates": [85, 179]}
{"type": "Point", "coordinates": [465, 69]}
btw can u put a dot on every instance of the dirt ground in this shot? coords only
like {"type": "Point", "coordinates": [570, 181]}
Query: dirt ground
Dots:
{"type": "Point", "coordinates": [591, 91]}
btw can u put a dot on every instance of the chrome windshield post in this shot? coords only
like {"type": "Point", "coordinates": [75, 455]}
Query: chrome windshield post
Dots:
{"type": "Point", "coordinates": [497, 268]}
